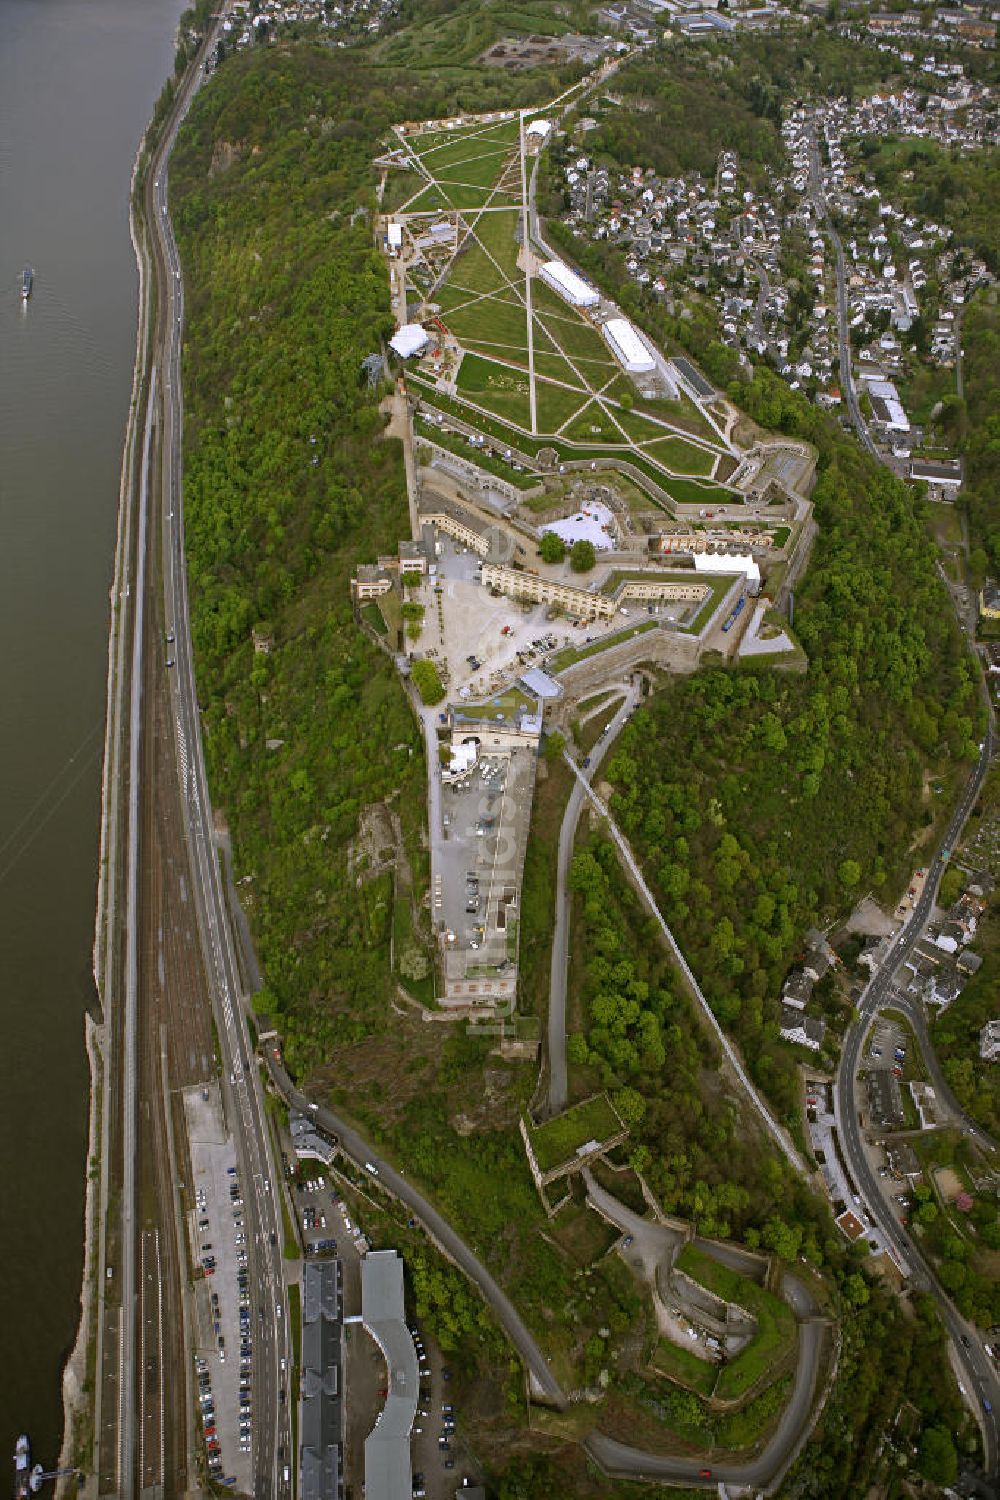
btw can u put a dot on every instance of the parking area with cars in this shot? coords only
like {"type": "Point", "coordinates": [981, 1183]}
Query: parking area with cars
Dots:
{"type": "Point", "coordinates": [223, 1325]}
{"type": "Point", "coordinates": [479, 855]}
{"type": "Point", "coordinates": [437, 1451]}
{"type": "Point", "coordinates": [887, 1046]}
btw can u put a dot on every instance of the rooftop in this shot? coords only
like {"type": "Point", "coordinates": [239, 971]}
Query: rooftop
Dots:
{"type": "Point", "coordinates": [387, 1447]}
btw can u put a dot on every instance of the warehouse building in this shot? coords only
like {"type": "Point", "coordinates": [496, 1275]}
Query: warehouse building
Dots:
{"type": "Point", "coordinates": [628, 348]}
{"type": "Point", "coordinates": [571, 287]}
{"type": "Point", "coordinates": [387, 1447]}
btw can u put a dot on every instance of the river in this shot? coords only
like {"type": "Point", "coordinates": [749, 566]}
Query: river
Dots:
{"type": "Point", "coordinates": [78, 79]}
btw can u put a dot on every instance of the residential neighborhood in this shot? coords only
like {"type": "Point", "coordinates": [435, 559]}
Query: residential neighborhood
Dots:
{"type": "Point", "coordinates": [762, 256]}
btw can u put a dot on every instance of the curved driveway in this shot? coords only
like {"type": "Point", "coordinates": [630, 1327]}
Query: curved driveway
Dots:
{"type": "Point", "coordinates": [914, 1012]}
{"type": "Point", "coordinates": [622, 1461]}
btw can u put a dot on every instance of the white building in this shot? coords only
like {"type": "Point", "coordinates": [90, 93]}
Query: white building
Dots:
{"type": "Point", "coordinates": [394, 235]}
{"type": "Point", "coordinates": [721, 562]}
{"type": "Point", "coordinates": [571, 287]}
{"type": "Point", "coordinates": [627, 346]}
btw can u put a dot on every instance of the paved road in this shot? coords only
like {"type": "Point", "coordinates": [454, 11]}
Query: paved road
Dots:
{"type": "Point", "coordinates": [618, 1459]}
{"type": "Point", "coordinates": [914, 1011]}
{"type": "Point", "coordinates": [980, 1376]}
{"type": "Point", "coordinates": [764, 291]}
{"type": "Point", "coordinates": [130, 1043]}
{"type": "Point", "coordinates": [560, 938]}
{"type": "Point", "coordinates": [978, 1368]}
{"type": "Point", "coordinates": [361, 1153]}
{"type": "Point", "coordinates": [622, 1461]}
{"type": "Point", "coordinates": [241, 1084]}
{"type": "Point", "coordinates": [843, 332]}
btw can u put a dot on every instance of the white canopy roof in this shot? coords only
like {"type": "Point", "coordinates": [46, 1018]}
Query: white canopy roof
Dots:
{"type": "Point", "coordinates": [410, 339]}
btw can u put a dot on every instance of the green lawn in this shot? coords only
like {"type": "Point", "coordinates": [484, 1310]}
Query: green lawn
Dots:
{"type": "Point", "coordinates": [682, 457]}
{"type": "Point", "coordinates": [474, 270]}
{"type": "Point", "coordinates": [479, 169]}
{"type": "Point", "coordinates": [372, 615]}
{"type": "Point", "coordinates": [427, 201]}
{"type": "Point", "coordinates": [496, 234]}
{"type": "Point", "coordinates": [556, 1141]}
{"type": "Point", "coordinates": [549, 362]}
{"type": "Point", "coordinates": [695, 492]}
{"type": "Point", "coordinates": [427, 682]}
{"type": "Point", "coordinates": [473, 197]}
{"type": "Point", "coordinates": [457, 444]}
{"type": "Point", "coordinates": [577, 339]}
{"type": "Point", "coordinates": [555, 404]}
{"type": "Point", "coordinates": [679, 1364]}
{"type": "Point", "coordinates": [594, 425]}
{"type": "Point", "coordinates": [776, 1331]}
{"type": "Point", "coordinates": [496, 387]}
{"type": "Point", "coordinates": [442, 147]}
{"type": "Point", "coordinates": [491, 321]}
{"type": "Point", "coordinates": [572, 654]}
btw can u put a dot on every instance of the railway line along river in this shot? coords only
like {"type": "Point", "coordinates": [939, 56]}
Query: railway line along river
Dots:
{"type": "Point", "coordinates": [78, 80]}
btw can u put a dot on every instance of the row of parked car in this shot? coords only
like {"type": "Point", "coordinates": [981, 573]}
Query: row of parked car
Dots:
{"type": "Point", "coordinates": [243, 1302]}
{"type": "Point", "coordinates": [213, 1444]}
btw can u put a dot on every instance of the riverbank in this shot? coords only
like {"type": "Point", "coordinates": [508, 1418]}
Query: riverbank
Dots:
{"type": "Point", "coordinates": [81, 1392]}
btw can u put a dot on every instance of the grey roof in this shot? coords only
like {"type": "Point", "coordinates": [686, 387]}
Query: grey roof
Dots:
{"type": "Point", "coordinates": [693, 376]}
{"type": "Point", "coordinates": [884, 1099]}
{"type": "Point", "coordinates": [411, 549]}
{"type": "Point", "coordinates": [321, 1415]}
{"type": "Point", "coordinates": [307, 1141]}
{"type": "Point", "coordinates": [540, 683]}
{"type": "Point", "coordinates": [798, 989]}
{"type": "Point", "coordinates": [937, 473]}
{"type": "Point", "coordinates": [387, 1447]}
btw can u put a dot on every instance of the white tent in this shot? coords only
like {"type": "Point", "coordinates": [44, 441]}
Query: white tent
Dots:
{"type": "Point", "coordinates": [411, 339]}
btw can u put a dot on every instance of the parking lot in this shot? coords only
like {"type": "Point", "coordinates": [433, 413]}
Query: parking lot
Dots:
{"type": "Point", "coordinates": [437, 1451]}
{"type": "Point", "coordinates": [480, 854]}
{"type": "Point", "coordinates": [223, 1338]}
{"type": "Point", "coordinates": [887, 1046]}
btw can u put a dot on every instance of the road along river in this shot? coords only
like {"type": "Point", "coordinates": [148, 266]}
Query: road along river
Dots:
{"type": "Point", "coordinates": [78, 79]}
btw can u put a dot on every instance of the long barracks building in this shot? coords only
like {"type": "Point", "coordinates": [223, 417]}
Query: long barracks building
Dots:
{"type": "Point", "coordinates": [517, 584]}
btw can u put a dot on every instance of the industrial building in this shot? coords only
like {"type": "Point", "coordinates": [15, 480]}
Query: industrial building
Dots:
{"type": "Point", "coordinates": [387, 1447]}
{"type": "Point", "coordinates": [628, 347]}
{"type": "Point", "coordinates": [571, 287]}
